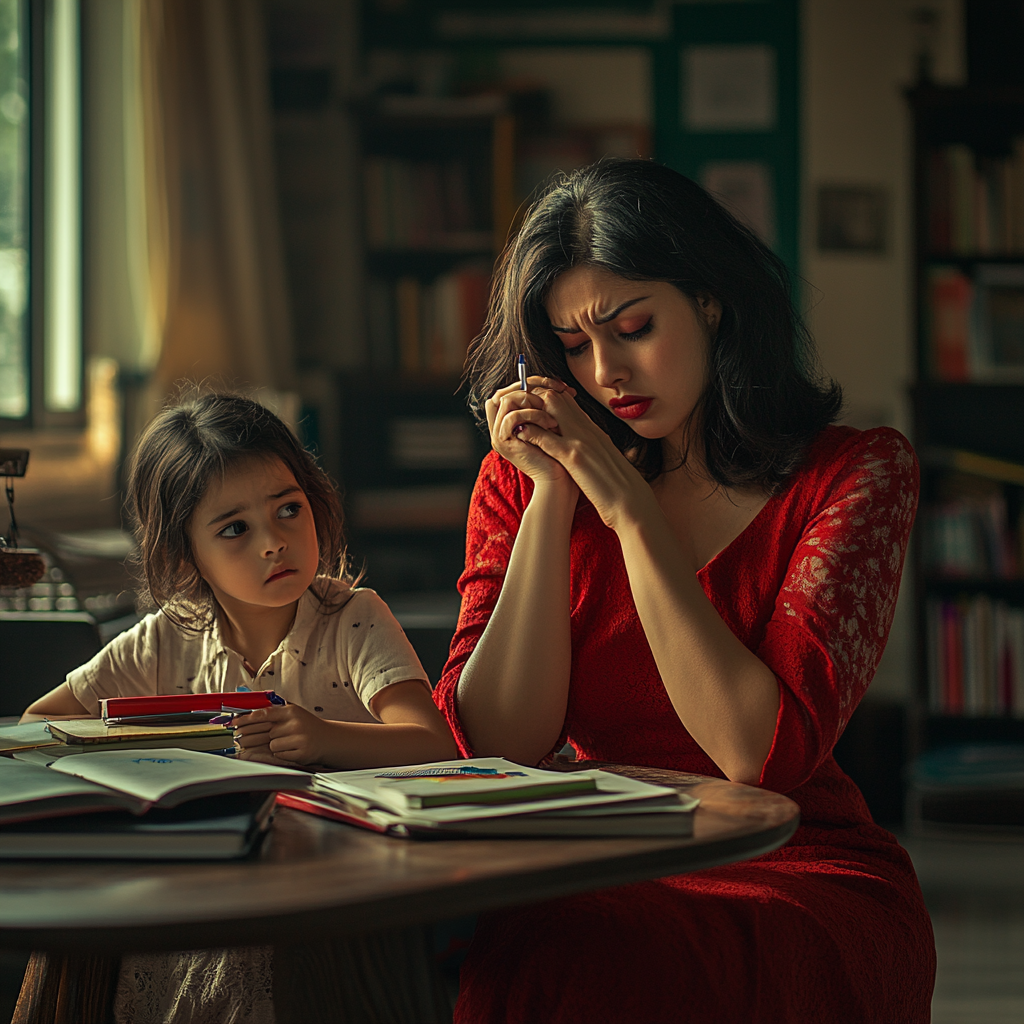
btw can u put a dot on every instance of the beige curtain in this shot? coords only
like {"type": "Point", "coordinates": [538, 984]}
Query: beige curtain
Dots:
{"type": "Point", "coordinates": [185, 273]}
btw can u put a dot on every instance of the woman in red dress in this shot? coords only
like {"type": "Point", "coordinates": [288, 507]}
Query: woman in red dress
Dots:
{"type": "Point", "coordinates": [673, 559]}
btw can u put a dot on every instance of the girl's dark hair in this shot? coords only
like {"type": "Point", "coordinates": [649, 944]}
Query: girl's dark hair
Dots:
{"type": "Point", "coordinates": [764, 401]}
{"type": "Point", "coordinates": [189, 443]}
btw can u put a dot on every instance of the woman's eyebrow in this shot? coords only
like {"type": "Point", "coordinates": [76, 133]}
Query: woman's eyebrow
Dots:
{"type": "Point", "coordinates": [601, 319]}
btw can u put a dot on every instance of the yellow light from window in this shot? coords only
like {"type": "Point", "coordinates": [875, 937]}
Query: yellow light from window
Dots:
{"type": "Point", "coordinates": [63, 293]}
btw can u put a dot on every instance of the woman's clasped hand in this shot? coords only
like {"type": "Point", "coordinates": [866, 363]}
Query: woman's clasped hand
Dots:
{"type": "Point", "coordinates": [544, 433]}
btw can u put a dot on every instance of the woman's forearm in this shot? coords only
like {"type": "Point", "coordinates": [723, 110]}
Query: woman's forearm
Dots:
{"type": "Point", "coordinates": [724, 695]}
{"type": "Point", "coordinates": [513, 690]}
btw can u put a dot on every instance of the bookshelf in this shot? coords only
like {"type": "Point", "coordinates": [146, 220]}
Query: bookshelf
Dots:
{"type": "Point", "coordinates": [966, 719]}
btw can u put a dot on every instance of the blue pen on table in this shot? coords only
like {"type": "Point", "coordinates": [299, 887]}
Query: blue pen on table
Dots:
{"type": "Point", "coordinates": [521, 366]}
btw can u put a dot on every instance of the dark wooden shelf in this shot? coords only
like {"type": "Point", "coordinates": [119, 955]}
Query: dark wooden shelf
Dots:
{"type": "Point", "coordinates": [970, 259]}
{"type": "Point", "coordinates": [1012, 589]}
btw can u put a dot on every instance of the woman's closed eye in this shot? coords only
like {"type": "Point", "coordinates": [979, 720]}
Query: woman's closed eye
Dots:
{"type": "Point", "coordinates": [631, 332]}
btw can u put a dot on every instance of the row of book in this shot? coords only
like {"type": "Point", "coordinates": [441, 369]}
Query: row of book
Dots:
{"type": "Point", "coordinates": [976, 204]}
{"type": "Point", "coordinates": [972, 537]}
{"type": "Point", "coordinates": [423, 204]}
{"type": "Point", "coordinates": [976, 323]}
{"type": "Point", "coordinates": [421, 327]}
{"type": "Point", "coordinates": [975, 652]}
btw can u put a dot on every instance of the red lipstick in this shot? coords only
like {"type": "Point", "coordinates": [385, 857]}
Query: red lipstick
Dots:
{"type": "Point", "coordinates": [630, 407]}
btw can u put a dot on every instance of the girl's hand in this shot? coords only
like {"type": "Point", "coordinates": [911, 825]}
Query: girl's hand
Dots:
{"type": "Point", "coordinates": [510, 410]}
{"type": "Point", "coordinates": [615, 488]}
{"type": "Point", "coordinates": [287, 735]}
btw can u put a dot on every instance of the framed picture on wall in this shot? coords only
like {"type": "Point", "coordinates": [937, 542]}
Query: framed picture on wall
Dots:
{"type": "Point", "coordinates": [852, 218]}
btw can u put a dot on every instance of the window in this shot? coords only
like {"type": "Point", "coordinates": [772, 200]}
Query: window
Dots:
{"type": "Point", "coordinates": [14, 334]}
{"type": "Point", "coordinates": [40, 143]}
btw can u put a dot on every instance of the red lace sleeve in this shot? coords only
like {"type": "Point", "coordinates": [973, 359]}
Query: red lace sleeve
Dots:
{"type": "Point", "coordinates": [833, 613]}
{"type": "Point", "coordinates": [495, 512]}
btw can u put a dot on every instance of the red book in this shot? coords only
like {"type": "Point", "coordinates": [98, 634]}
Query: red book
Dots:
{"type": "Point", "coordinates": [952, 294]}
{"type": "Point", "coordinates": [183, 703]}
{"type": "Point", "coordinates": [324, 807]}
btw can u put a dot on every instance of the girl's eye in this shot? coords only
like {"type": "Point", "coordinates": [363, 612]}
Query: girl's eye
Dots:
{"type": "Point", "coordinates": [577, 350]}
{"type": "Point", "coordinates": [289, 511]}
{"type": "Point", "coordinates": [235, 529]}
{"type": "Point", "coordinates": [639, 332]}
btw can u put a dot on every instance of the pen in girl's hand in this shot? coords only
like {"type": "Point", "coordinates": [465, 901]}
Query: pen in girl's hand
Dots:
{"type": "Point", "coordinates": [521, 366]}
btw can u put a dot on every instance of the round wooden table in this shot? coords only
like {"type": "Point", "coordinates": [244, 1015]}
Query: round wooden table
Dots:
{"type": "Point", "coordinates": [324, 893]}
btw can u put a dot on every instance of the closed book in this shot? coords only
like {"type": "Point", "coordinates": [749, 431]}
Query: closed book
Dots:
{"type": "Point", "coordinates": [488, 780]}
{"type": "Point", "coordinates": [133, 708]}
{"type": "Point", "coordinates": [94, 734]}
{"type": "Point", "coordinates": [211, 828]}
{"type": "Point", "coordinates": [455, 786]}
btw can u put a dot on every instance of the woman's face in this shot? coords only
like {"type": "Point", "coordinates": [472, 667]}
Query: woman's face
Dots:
{"type": "Point", "coordinates": [638, 347]}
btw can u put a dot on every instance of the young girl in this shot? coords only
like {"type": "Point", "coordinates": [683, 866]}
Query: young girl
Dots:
{"type": "Point", "coordinates": [241, 549]}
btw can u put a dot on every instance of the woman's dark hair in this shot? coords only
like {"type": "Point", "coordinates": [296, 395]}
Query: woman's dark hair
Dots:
{"type": "Point", "coordinates": [189, 443]}
{"type": "Point", "coordinates": [764, 401]}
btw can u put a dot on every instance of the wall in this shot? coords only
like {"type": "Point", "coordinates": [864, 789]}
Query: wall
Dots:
{"type": "Point", "coordinates": [859, 56]}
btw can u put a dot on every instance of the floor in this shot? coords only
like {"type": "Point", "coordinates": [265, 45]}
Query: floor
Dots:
{"type": "Point", "coordinates": [975, 893]}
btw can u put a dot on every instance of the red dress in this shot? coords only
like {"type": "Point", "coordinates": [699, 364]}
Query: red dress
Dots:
{"type": "Point", "coordinates": [831, 927]}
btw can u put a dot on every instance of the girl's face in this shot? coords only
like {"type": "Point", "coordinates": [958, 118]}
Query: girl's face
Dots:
{"type": "Point", "coordinates": [253, 537]}
{"type": "Point", "coordinates": [638, 347]}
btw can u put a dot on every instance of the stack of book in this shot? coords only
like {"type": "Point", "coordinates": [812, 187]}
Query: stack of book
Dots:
{"type": "Point", "coordinates": [975, 654]}
{"type": "Point", "coordinates": [494, 797]}
{"type": "Point", "coordinates": [137, 804]}
{"type": "Point", "coordinates": [976, 204]}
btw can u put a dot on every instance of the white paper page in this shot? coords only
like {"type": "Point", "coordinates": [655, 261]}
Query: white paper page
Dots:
{"type": "Point", "coordinates": [152, 774]}
{"type": "Point", "coordinates": [21, 782]}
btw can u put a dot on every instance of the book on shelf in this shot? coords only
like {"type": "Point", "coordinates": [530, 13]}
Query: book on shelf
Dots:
{"type": "Point", "coordinates": [441, 507]}
{"type": "Point", "coordinates": [975, 204]}
{"type": "Point", "coordinates": [975, 657]}
{"type": "Point", "coordinates": [971, 536]}
{"type": "Point", "coordinates": [425, 327]}
{"type": "Point", "coordinates": [423, 204]}
{"type": "Point", "coordinates": [976, 322]}
{"type": "Point", "coordinates": [210, 828]}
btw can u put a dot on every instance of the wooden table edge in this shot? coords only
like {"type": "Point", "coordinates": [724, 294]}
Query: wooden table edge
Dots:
{"type": "Point", "coordinates": [397, 911]}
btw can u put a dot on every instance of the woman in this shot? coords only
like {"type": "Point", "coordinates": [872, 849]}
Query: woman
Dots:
{"type": "Point", "coordinates": [674, 560]}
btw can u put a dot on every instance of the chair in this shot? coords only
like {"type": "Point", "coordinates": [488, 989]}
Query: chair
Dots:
{"type": "Point", "coordinates": [37, 650]}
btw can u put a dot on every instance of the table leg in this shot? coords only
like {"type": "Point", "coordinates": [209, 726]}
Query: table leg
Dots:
{"type": "Point", "coordinates": [387, 977]}
{"type": "Point", "coordinates": [68, 988]}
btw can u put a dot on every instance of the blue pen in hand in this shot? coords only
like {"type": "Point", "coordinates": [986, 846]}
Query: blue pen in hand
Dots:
{"type": "Point", "coordinates": [521, 366]}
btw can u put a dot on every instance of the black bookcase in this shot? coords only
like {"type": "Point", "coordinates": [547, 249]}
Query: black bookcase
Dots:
{"type": "Point", "coordinates": [966, 710]}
